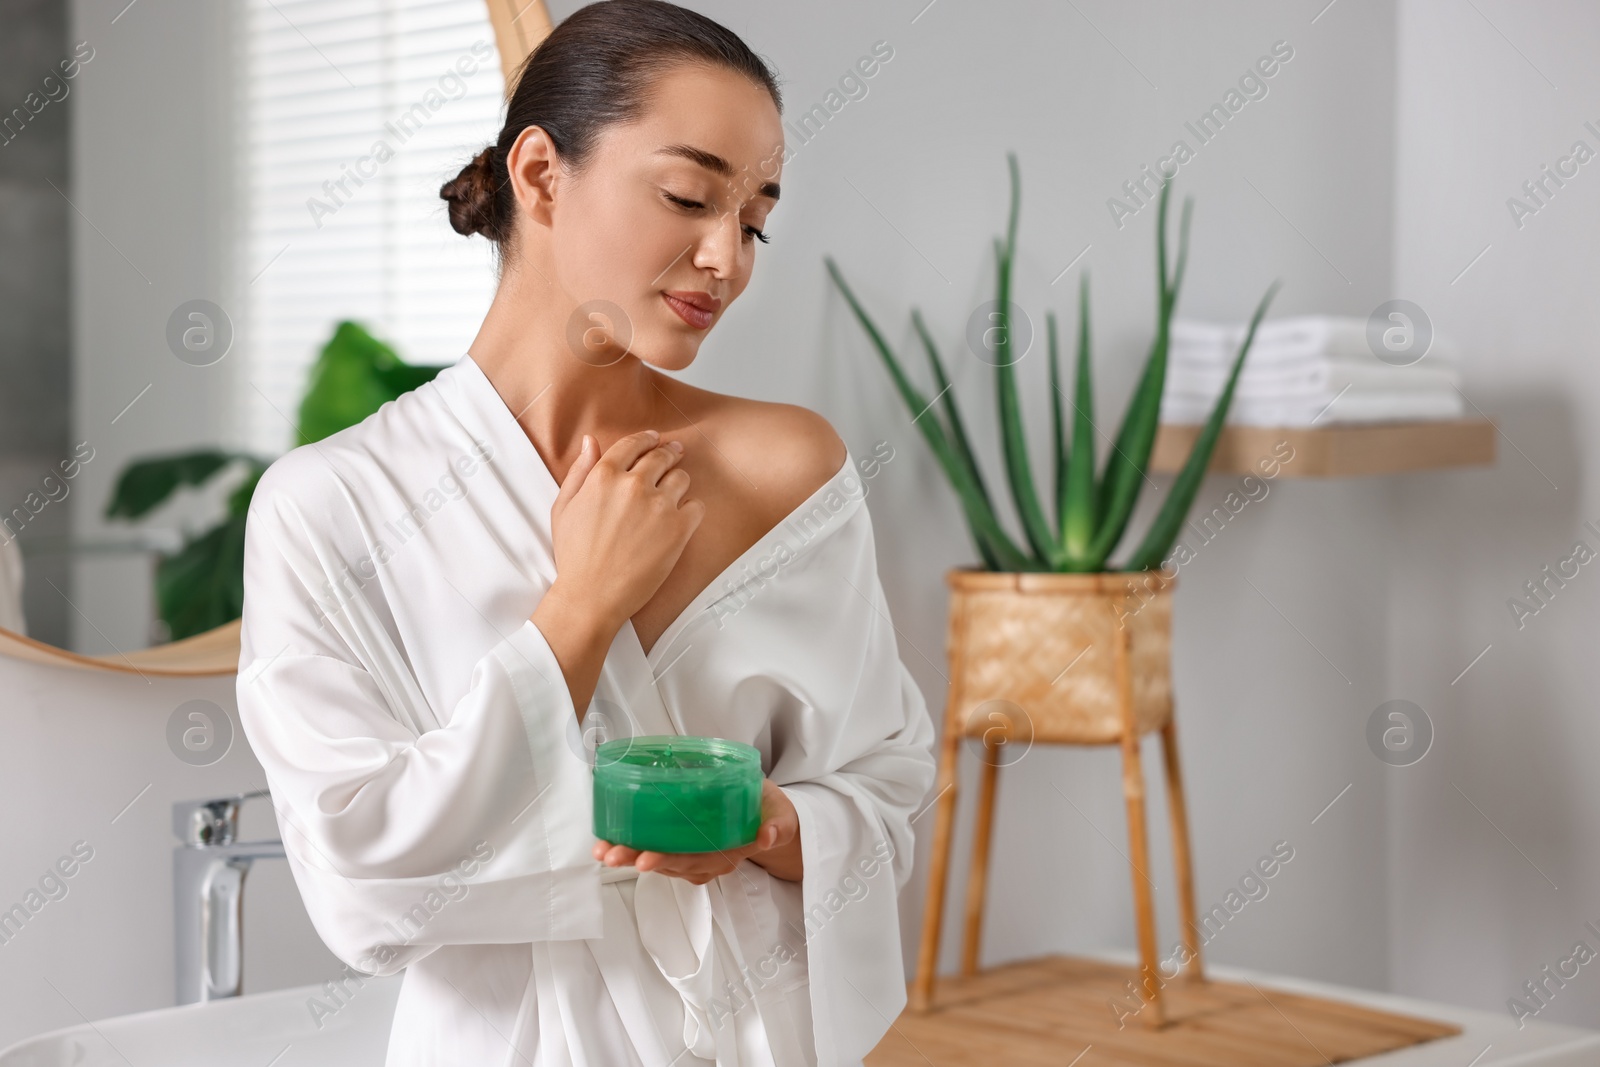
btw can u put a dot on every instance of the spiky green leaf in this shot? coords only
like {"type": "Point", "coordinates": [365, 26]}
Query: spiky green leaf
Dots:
{"type": "Point", "coordinates": [1079, 521]}
{"type": "Point", "coordinates": [1163, 532]}
{"type": "Point", "coordinates": [946, 396]}
{"type": "Point", "coordinates": [1058, 424]}
{"type": "Point", "coordinates": [994, 544]}
{"type": "Point", "coordinates": [1130, 454]}
{"type": "Point", "coordinates": [1013, 434]}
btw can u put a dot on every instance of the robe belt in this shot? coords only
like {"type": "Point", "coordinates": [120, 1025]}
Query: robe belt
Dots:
{"type": "Point", "coordinates": [676, 920]}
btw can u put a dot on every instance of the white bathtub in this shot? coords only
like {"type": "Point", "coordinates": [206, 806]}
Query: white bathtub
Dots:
{"type": "Point", "coordinates": [249, 1031]}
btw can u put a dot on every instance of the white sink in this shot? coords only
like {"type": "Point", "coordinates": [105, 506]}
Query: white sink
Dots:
{"type": "Point", "coordinates": [249, 1031]}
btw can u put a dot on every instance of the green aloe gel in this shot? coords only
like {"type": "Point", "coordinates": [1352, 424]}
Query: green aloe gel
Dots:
{"type": "Point", "coordinates": [677, 794]}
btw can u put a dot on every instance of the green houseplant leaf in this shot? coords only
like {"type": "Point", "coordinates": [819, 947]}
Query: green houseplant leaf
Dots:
{"type": "Point", "coordinates": [355, 375]}
{"type": "Point", "coordinates": [1058, 431]}
{"type": "Point", "coordinates": [146, 484]}
{"type": "Point", "coordinates": [993, 542]}
{"type": "Point", "coordinates": [1079, 514]}
{"type": "Point", "coordinates": [961, 446]}
{"type": "Point", "coordinates": [1012, 433]}
{"type": "Point", "coordinates": [1163, 532]}
{"type": "Point", "coordinates": [1130, 455]}
{"type": "Point", "coordinates": [201, 586]}
{"type": "Point", "coordinates": [947, 399]}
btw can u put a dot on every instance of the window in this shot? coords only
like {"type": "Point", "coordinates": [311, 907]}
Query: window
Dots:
{"type": "Point", "coordinates": [353, 113]}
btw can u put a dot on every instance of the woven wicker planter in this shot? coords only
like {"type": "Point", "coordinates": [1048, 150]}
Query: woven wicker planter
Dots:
{"type": "Point", "coordinates": [1060, 647]}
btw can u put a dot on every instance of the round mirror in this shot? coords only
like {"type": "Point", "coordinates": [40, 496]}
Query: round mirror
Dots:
{"type": "Point", "coordinates": [519, 26]}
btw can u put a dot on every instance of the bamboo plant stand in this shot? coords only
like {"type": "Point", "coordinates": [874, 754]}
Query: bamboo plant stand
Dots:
{"type": "Point", "coordinates": [1072, 659]}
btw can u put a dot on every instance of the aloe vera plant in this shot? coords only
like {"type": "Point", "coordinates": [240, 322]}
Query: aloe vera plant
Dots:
{"type": "Point", "coordinates": [1092, 502]}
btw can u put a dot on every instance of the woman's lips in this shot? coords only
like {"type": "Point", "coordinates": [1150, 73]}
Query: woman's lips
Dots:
{"type": "Point", "coordinates": [699, 318]}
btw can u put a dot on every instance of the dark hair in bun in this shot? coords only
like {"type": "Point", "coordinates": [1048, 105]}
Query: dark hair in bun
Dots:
{"type": "Point", "coordinates": [471, 195]}
{"type": "Point", "coordinates": [594, 69]}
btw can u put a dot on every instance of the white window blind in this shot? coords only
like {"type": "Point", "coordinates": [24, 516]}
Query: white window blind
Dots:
{"type": "Point", "coordinates": [354, 112]}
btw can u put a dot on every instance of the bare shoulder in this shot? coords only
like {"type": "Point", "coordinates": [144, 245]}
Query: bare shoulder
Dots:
{"type": "Point", "coordinates": [799, 449]}
{"type": "Point", "coordinates": [780, 453]}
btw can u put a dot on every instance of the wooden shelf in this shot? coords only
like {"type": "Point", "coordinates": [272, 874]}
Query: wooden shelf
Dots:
{"type": "Point", "coordinates": [1336, 451]}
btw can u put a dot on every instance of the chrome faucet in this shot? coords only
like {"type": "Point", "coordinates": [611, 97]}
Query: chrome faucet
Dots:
{"type": "Point", "coordinates": [208, 871]}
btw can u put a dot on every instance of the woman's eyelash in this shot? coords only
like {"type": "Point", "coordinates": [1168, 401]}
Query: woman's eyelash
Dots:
{"type": "Point", "coordinates": [760, 235]}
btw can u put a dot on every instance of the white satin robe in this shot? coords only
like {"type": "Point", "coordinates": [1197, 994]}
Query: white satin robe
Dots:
{"type": "Point", "coordinates": [433, 785]}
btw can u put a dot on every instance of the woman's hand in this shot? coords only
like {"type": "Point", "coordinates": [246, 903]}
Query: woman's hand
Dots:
{"type": "Point", "coordinates": [776, 847]}
{"type": "Point", "coordinates": [620, 522]}
{"type": "Point", "coordinates": [618, 525]}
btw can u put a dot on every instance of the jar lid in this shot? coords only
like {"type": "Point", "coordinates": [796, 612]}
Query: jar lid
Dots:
{"type": "Point", "coordinates": [676, 758]}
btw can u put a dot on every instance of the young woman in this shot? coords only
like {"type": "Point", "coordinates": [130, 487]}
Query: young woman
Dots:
{"type": "Point", "coordinates": [554, 541]}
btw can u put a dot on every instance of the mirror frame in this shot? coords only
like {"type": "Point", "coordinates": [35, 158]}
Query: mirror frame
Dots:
{"type": "Point", "coordinates": [519, 26]}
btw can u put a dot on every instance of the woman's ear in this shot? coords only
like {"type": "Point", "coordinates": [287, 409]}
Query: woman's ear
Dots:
{"type": "Point", "coordinates": [535, 170]}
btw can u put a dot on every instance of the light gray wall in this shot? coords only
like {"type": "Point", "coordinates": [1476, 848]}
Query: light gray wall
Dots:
{"type": "Point", "coordinates": [1493, 869]}
{"type": "Point", "coordinates": [35, 304]}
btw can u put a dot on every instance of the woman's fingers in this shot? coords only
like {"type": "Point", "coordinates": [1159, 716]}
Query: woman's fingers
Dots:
{"type": "Point", "coordinates": [667, 862]}
{"type": "Point", "coordinates": [680, 865]}
{"type": "Point", "coordinates": [625, 452]}
{"type": "Point", "coordinates": [587, 457]}
{"type": "Point", "coordinates": [658, 461]}
{"type": "Point", "coordinates": [675, 483]}
{"type": "Point", "coordinates": [618, 855]}
{"type": "Point", "coordinates": [723, 861]}
{"type": "Point", "coordinates": [692, 866]}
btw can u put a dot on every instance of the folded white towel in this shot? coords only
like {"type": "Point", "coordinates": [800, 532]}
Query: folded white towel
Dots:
{"type": "Point", "coordinates": [1317, 380]}
{"type": "Point", "coordinates": [1310, 332]}
{"type": "Point", "coordinates": [1352, 406]}
{"type": "Point", "coordinates": [1304, 368]}
{"type": "Point", "coordinates": [1294, 339]}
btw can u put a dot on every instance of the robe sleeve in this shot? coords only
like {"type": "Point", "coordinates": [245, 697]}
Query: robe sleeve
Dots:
{"type": "Point", "coordinates": [406, 830]}
{"type": "Point", "coordinates": [863, 772]}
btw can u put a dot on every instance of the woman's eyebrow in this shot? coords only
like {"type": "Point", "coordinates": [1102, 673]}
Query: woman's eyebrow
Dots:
{"type": "Point", "coordinates": [714, 163]}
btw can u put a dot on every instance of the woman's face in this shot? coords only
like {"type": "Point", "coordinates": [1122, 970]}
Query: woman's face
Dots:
{"type": "Point", "coordinates": [665, 217]}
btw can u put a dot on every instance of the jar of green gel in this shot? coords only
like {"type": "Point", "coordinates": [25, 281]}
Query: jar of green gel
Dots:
{"type": "Point", "coordinates": [677, 794]}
